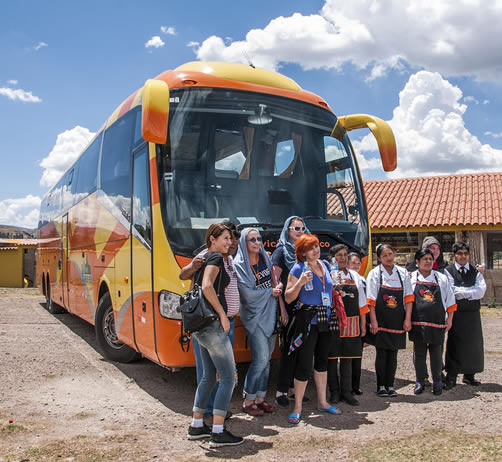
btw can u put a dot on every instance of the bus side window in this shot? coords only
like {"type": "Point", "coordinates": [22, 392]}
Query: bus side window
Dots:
{"type": "Point", "coordinates": [86, 170]}
{"type": "Point", "coordinates": [141, 196]}
{"type": "Point", "coordinates": [116, 162]}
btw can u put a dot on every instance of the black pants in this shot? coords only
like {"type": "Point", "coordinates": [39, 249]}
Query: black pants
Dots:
{"type": "Point", "coordinates": [435, 355]}
{"type": "Point", "coordinates": [385, 367]}
{"type": "Point", "coordinates": [341, 383]}
{"type": "Point", "coordinates": [316, 347]}
{"type": "Point", "coordinates": [287, 367]}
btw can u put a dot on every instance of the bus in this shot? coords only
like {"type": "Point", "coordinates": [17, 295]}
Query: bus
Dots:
{"type": "Point", "coordinates": [200, 144]}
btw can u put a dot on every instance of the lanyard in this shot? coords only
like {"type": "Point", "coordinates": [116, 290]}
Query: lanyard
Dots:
{"type": "Point", "coordinates": [321, 277]}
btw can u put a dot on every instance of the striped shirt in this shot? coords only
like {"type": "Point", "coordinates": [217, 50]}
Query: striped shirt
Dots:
{"type": "Point", "coordinates": [231, 291]}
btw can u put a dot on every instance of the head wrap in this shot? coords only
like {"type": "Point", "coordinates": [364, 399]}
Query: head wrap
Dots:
{"type": "Point", "coordinates": [289, 247]}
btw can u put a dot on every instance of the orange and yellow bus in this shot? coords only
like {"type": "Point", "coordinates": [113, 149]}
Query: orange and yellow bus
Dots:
{"type": "Point", "coordinates": [196, 145]}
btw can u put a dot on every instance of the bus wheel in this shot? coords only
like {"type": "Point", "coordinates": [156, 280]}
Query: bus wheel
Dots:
{"type": "Point", "coordinates": [52, 308]}
{"type": "Point", "coordinates": [113, 348]}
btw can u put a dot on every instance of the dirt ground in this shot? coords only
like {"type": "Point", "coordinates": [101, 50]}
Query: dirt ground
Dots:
{"type": "Point", "coordinates": [61, 401]}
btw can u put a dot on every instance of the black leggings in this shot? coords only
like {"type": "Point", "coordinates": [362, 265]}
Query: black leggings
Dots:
{"type": "Point", "coordinates": [435, 354]}
{"type": "Point", "coordinates": [385, 367]}
{"type": "Point", "coordinates": [316, 347]}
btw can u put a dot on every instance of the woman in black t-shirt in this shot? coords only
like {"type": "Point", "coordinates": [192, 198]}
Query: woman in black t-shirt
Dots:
{"type": "Point", "coordinates": [215, 346]}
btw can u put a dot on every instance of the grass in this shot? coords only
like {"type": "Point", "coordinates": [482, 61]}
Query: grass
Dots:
{"type": "Point", "coordinates": [12, 428]}
{"type": "Point", "coordinates": [82, 448]}
{"type": "Point", "coordinates": [433, 445]}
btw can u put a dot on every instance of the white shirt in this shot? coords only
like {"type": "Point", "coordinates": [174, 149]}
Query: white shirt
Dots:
{"type": "Point", "coordinates": [389, 280]}
{"type": "Point", "coordinates": [340, 277]}
{"type": "Point", "coordinates": [447, 296]}
{"type": "Point", "coordinates": [475, 292]}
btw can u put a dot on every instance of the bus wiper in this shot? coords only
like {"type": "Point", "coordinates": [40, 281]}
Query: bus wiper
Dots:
{"type": "Point", "coordinates": [259, 225]}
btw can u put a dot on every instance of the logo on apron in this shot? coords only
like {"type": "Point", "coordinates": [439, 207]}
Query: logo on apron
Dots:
{"type": "Point", "coordinates": [390, 301]}
{"type": "Point", "coordinates": [427, 295]}
{"type": "Point", "coordinates": [345, 294]}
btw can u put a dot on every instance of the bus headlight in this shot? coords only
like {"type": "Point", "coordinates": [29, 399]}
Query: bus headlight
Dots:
{"type": "Point", "coordinates": [169, 305]}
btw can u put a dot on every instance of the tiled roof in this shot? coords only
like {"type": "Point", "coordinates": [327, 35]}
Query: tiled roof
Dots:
{"type": "Point", "coordinates": [452, 200]}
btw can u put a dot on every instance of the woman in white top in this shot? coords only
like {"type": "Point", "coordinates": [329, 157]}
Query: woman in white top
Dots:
{"type": "Point", "coordinates": [431, 317]}
{"type": "Point", "coordinates": [390, 297]}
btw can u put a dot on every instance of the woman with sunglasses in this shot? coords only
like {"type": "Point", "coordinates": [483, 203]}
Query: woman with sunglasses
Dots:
{"type": "Point", "coordinates": [258, 315]}
{"type": "Point", "coordinates": [314, 322]}
{"type": "Point", "coordinates": [283, 259]}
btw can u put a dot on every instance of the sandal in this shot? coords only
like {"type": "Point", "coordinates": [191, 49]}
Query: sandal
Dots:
{"type": "Point", "coordinates": [265, 407]}
{"type": "Point", "coordinates": [330, 410]}
{"type": "Point", "coordinates": [294, 419]}
{"type": "Point", "coordinates": [253, 410]}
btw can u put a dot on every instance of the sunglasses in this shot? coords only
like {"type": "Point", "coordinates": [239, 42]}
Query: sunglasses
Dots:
{"type": "Point", "coordinates": [254, 239]}
{"type": "Point", "coordinates": [297, 228]}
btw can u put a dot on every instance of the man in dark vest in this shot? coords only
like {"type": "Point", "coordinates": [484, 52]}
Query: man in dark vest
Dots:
{"type": "Point", "coordinates": [464, 347]}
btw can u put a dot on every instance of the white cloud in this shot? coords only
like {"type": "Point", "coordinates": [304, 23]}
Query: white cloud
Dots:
{"type": "Point", "coordinates": [19, 95]}
{"type": "Point", "coordinates": [12, 82]}
{"type": "Point", "coordinates": [430, 133]}
{"type": "Point", "coordinates": [155, 42]}
{"type": "Point", "coordinates": [20, 212]}
{"type": "Point", "coordinates": [470, 99]}
{"type": "Point", "coordinates": [486, 101]}
{"type": "Point", "coordinates": [168, 30]}
{"type": "Point", "coordinates": [193, 44]}
{"type": "Point", "coordinates": [69, 145]}
{"type": "Point", "coordinates": [40, 45]}
{"type": "Point", "coordinates": [494, 135]}
{"type": "Point", "coordinates": [453, 37]}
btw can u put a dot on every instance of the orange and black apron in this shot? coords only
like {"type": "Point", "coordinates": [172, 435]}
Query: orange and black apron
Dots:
{"type": "Point", "coordinates": [390, 314]}
{"type": "Point", "coordinates": [347, 342]}
{"type": "Point", "coordinates": [428, 315]}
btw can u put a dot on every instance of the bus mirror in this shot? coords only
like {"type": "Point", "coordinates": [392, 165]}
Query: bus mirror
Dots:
{"type": "Point", "coordinates": [155, 113]}
{"type": "Point", "coordinates": [381, 131]}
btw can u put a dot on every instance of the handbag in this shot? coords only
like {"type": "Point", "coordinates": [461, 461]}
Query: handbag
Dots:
{"type": "Point", "coordinates": [196, 311]}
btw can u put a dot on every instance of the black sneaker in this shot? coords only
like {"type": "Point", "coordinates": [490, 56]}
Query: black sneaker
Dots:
{"type": "Point", "coordinates": [382, 392]}
{"type": "Point", "coordinates": [391, 393]}
{"type": "Point", "coordinates": [197, 433]}
{"type": "Point", "coordinates": [225, 438]}
{"type": "Point", "coordinates": [282, 401]}
{"type": "Point", "coordinates": [349, 399]}
{"type": "Point", "coordinates": [437, 388]}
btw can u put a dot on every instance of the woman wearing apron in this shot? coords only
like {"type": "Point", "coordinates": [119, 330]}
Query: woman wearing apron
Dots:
{"type": "Point", "coordinates": [431, 317]}
{"type": "Point", "coordinates": [390, 298]}
{"type": "Point", "coordinates": [347, 343]}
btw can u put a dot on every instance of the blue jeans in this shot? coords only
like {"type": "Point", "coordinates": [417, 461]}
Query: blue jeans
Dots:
{"type": "Point", "coordinates": [199, 368]}
{"type": "Point", "coordinates": [217, 356]}
{"type": "Point", "coordinates": [256, 383]}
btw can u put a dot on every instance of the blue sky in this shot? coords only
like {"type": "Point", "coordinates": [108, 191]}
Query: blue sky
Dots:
{"type": "Point", "coordinates": [431, 69]}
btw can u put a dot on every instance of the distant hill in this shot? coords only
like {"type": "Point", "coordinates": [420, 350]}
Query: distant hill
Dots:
{"type": "Point", "coordinates": [17, 232]}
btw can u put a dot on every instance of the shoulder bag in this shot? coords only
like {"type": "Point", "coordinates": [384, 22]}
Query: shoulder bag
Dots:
{"type": "Point", "coordinates": [196, 311]}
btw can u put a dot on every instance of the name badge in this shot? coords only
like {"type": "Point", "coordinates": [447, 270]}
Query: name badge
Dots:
{"type": "Point", "coordinates": [325, 299]}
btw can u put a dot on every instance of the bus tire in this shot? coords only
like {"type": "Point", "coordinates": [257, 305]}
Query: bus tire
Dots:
{"type": "Point", "coordinates": [112, 348]}
{"type": "Point", "coordinates": [52, 308]}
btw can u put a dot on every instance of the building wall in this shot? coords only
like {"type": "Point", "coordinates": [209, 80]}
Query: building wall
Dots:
{"type": "Point", "coordinates": [11, 267]}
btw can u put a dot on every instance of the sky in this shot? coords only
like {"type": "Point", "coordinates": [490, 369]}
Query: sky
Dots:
{"type": "Point", "coordinates": [431, 68]}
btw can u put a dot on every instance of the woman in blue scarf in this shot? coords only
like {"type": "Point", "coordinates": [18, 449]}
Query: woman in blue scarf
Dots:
{"type": "Point", "coordinates": [283, 259]}
{"type": "Point", "coordinates": [258, 314]}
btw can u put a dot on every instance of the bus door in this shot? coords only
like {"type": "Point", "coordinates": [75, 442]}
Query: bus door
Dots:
{"type": "Point", "coordinates": [65, 284]}
{"type": "Point", "coordinates": [141, 256]}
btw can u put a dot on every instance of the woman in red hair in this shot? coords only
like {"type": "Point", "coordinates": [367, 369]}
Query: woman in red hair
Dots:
{"type": "Point", "coordinates": [309, 281]}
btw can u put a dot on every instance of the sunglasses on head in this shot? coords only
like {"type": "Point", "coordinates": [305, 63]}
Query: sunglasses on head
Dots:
{"type": "Point", "coordinates": [254, 239]}
{"type": "Point", "coordinates": [297, 228]}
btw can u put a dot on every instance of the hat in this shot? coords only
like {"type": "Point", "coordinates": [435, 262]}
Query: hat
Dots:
{"type": "Point", "coordinates": [428, 241]}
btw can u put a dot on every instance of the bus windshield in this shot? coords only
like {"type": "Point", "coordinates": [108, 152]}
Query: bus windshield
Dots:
{"type": "Point", "coordinates": [256, 159]}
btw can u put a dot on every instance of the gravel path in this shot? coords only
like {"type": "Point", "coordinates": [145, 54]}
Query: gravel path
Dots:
{"type": "Point", "coordinates": [59, 400]}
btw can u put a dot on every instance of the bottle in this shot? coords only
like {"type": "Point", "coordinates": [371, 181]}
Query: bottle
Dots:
{"type": "Point", "coordinates": [334, 269]}
{"type": "Point", "coordinates": [306, 269]}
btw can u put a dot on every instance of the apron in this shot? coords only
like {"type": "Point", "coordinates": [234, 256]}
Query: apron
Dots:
{"type": "Point", "coordinates": [428, 315]}
{"type": "Point", "coordinates": [390, 314]}
{"type": "Point", "coordinates": [464, 346]}
{"type": "Point", "coordinates": [347, 342]}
